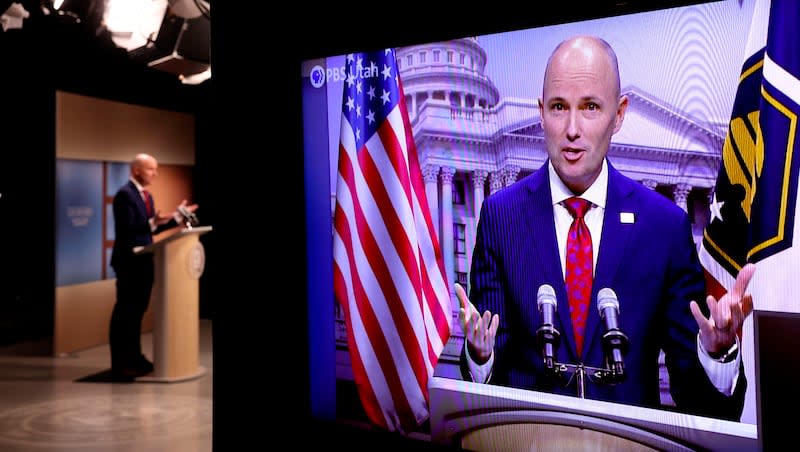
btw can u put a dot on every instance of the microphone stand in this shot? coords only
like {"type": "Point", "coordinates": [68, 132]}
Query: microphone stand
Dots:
{"type": "Point", "coordinates": [607, 376]}
{"type": "Point", "coordinates": [614, 342]}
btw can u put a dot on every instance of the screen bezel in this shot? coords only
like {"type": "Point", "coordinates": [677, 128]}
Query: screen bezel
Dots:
{"type": "Point", "coordinates": [319, 323]}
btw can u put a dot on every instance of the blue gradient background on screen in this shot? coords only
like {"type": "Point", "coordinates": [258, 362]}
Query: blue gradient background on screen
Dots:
{"type": "Point", "coordinates": [79, 204]}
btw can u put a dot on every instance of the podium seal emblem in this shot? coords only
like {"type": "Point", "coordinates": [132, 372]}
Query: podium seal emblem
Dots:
{"type": "Point", "coordinates": [196, 260]}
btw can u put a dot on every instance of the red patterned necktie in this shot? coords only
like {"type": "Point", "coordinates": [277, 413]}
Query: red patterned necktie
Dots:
{"type": "Point", "coordinates": [579, 268]}
{"type": "Point", "coordinates": [148, 202]}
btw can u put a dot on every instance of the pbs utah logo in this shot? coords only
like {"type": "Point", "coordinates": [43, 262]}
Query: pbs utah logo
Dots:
{"type": "Point", "coordinates": [320, 76]}
{"type": "Point", "coordinates": [317, 76]}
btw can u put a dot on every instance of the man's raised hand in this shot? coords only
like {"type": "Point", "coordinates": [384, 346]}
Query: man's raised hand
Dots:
{"type": "Point", "coordinates": [478, 331]}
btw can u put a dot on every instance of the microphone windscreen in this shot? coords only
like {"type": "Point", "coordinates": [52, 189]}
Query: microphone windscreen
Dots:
{"type": "Point", "coordinates": [546, 295]}
{"type": "Point", "coordinates": [607, 298]}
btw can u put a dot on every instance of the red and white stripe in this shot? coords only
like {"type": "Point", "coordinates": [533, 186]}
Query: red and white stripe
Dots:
{"type": "Point", "coordinates": [389, 273]}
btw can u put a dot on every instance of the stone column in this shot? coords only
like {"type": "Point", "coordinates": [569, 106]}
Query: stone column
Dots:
{"type": "Point", "coordinates": [431, 174]}
{"type": "Point", "coordinates": [510, 174]}
{"type": "Point", "coordinates": [496, 181]}
{"type": "Point", "coordinates": [448, 251]}
{"type": "Point", "coordinates": [478, 181]}
{"type": "Point", "coordinates": [681, 193]}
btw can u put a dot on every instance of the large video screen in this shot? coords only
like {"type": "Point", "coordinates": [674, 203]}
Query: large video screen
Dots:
{"type": "Point", "coordinates": [473, 115]}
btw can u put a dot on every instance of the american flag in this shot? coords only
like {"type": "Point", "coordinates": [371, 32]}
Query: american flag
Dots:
{"type": "Point", "coordinates": [753, 212]}
{"type": "Point", "coordinates": [389, 273]}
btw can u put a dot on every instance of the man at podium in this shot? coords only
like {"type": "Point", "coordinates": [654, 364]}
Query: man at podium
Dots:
{"type": "Point", "coordinates": [577, 229]}
{"type": "Point", "coordinates": [136, 220]}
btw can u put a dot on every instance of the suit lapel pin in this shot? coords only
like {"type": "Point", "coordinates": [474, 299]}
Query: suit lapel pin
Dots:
{"type": "Point", "coordinates": [626, 218]}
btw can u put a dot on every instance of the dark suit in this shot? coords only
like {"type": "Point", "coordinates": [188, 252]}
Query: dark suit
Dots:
{"type": "Point", "coordinates": [651, 264]}
{"type": "Point", "coordinates": [134, 274]}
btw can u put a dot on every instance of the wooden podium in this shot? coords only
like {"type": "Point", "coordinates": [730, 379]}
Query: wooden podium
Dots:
{"type": "Point", "coordinates": [482, 417]}
{"type": "Point", "coordinates": [179, 263]}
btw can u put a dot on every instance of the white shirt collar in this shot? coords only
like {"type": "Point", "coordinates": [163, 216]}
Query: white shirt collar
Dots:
{"type": "Point", "coordinates": [137, 184]}
{"type": "Point", "coordinates": [596, 193]}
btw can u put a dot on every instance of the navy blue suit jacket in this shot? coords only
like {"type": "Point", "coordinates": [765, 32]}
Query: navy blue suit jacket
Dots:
{"type": "Point", "coordinates": [131, 226]}
{"type": "Point", "coordinates": [651, 264]}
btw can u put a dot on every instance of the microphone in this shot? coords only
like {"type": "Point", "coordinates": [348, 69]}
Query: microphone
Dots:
{"type": "Point", "coordinates": [547, 336]}
{"type": "Point", "coordinates": [615, 342]}
{"type": "Point", "coordinates": [188, 217]}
